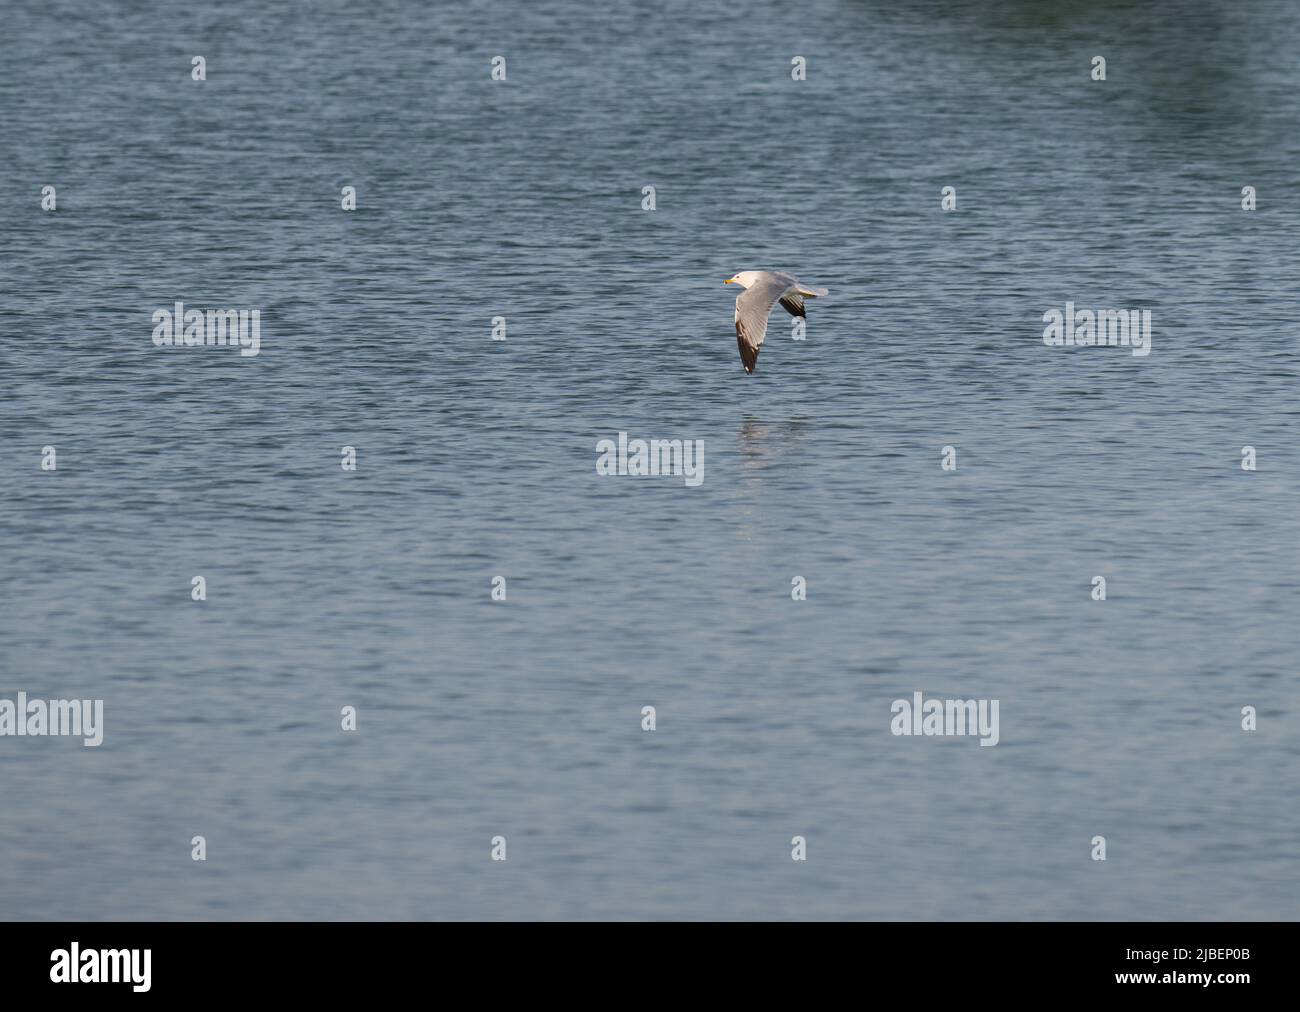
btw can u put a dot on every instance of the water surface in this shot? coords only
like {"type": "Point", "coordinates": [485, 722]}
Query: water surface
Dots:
{"type": "Point", "coordinates": [476, 458]}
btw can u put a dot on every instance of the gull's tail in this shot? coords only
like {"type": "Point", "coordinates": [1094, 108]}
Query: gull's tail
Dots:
{"type": "Point", "coordinates": [814, 292]}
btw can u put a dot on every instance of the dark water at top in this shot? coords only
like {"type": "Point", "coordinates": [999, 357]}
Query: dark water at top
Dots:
{"type": "Point", "coordinates": [476, 458]}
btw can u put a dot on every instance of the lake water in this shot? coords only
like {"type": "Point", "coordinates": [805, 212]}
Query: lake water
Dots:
{"type": "Point", "coordinates": [476, 458]}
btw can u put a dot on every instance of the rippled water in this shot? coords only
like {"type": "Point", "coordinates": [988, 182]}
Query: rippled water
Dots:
{"type": "Point", "coordinates": [476, 458]}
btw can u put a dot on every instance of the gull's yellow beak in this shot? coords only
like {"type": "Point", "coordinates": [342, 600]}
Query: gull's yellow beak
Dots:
{"type": "Point", "coordinates": [728, 281]}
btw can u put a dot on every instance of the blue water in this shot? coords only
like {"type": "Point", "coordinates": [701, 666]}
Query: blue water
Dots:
{"type": "Point", "coordinates": [476, 458]}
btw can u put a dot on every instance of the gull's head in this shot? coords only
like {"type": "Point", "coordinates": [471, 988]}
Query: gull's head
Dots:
{"type": "Point", "coordinates": [744, 279]}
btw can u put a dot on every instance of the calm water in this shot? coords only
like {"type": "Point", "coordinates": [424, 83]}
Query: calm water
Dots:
{"type": "Point", "coordinates": [476, 458]}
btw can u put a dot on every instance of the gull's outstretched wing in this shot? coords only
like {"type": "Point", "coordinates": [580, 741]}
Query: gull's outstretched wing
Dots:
{"type": "Point", "coordinates": [793, 304]}
{"type": "Point", "coordinates": [752, 308]}
{"type": "Point", "coordinates": [793, 301]}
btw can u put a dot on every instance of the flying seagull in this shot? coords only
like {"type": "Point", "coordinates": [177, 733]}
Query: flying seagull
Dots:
{"type": "Point", "coordinates": [763, 289]}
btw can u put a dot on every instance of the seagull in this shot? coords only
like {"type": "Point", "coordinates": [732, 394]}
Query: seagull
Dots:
{"type": "Point", "coordinates": [763, 289]}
